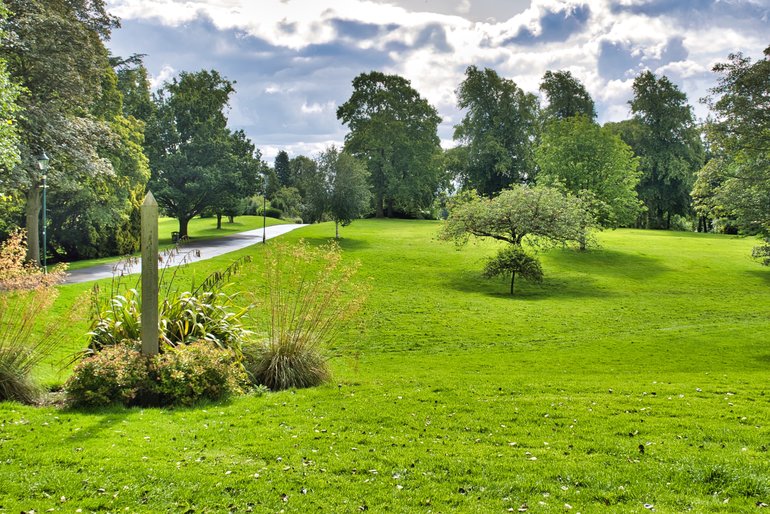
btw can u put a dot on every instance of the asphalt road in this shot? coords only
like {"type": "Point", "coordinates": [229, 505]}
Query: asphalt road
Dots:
{"type": "Point", "coordinates": [190, 252]}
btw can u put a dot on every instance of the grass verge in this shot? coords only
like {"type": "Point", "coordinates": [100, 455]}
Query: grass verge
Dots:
{"type": "Point", "coordinates": [634, 377]}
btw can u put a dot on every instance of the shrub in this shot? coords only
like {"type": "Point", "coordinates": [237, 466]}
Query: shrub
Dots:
{"type": "Point", "coordinates": [512, 260]}
{"type": "Point", "coordinates": [762, 252]}
{"type": "Point", "coordinates": [18, 274]}
{"type": "Point", "coordinates": [189, 373]}
{"type": "Point", "coordinates": [116, 374]}
{"type": "Point", "coordinates": [311, 297]}
{"type": "Point", "coordinates": [119, 374]}
{"type": "Point", "coordinates": [270, 212]}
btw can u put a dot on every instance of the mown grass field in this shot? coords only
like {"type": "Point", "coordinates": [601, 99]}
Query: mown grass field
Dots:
{"type": "Point", "coordinates": [634, 378]}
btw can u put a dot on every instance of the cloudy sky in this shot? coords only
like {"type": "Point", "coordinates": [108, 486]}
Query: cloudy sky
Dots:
{"type": "Point", "coordinates": [294, 60]}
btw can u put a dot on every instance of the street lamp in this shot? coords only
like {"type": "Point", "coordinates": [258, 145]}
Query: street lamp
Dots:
{"type": "Point", "coordinates": [42, 163]}
{"type": "Point", "coordinates": [264, 209]}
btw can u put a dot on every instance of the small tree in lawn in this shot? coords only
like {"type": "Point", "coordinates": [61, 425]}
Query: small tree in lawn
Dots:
{"type": "Point", "coordinates": [511, 260]}
{"type": "Point", "coordinates": [543, 216]}
{"type": "Point", "coordinates": [345, 196]}
{"type": "Point", "coordinates": [350, 195]}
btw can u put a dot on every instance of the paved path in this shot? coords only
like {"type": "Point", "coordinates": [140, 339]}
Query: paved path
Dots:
{"type": "Point", "coordinates": [190, 252]}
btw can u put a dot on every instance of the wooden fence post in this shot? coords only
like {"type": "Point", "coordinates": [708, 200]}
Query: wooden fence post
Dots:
{"type": "Point", "coordinates": [149, 242]}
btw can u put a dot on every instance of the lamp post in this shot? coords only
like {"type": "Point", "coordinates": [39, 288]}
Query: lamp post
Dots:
{"type": "Point", "coordinates": [42, 163]}
{"type": "Point", "coordinates": [264, 209]}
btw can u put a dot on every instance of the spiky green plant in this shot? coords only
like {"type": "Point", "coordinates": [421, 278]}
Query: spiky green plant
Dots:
{"type": "Point", "coordinates": [205, 313]}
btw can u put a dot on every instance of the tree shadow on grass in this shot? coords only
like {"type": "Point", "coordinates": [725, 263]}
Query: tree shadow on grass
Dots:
{"type": "Point", "coordinates": [609, 263]}
{"type": "Point", "coordinates": [760, 274]}
{"type": "Point", "coordinates": [568, 274]}
{"type": "Point", "coordinates": [345, 243]}
{"type": "Point", "coordinates": [103, 419]}
{"type": "Point", "coordinates": [471, 281]}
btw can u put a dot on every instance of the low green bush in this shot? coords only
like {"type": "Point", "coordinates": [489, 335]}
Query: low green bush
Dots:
{"type": "Point", "coordinates": [512, 259]}
{"type": "Point", "coordinates": [189, 373]}
{"type": "Point", "coordinates": [270, 212]}
{"type": "Point", "coordinates": [183, 375]}
{"type": "Point", "coordinates": [118, 374]}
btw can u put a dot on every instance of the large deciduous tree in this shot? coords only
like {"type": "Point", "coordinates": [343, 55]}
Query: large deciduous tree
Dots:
{"type": "Point", "coordinates": [566, 96]}
{"type": "Point", "coordinates": [196, 161]}
{"type": "Point", "coordinates": [593, 163]}
{"type": "Point", "coordinates": [669, 146]}
{"type": "Point", "coordinates": [55, 52]}
{"type": "Point", "coordinates": [498, 129]}
{"type": "Point", "coordinates": [739, 137]}
{"type": "Point", "coordinates": [393, 130]}
{"type": "Point", "coordinates": [9, 94]}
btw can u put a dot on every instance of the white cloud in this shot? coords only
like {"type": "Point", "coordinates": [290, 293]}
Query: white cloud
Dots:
{"type": "Point", "coordinates": [317, 108]}
{"type": "Point", "coordinates": [297, 57]}
{"type": "Point", "coordinates": [166, 73]}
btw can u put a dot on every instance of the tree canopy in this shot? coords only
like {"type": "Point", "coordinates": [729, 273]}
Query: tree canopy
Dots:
{"type": "Point", "coordinates": [739, 137]}
{"type": "Point", "coordinates": [566, 96]}
{"type": "Point", "coordinates": [498, 129]}
{"type": "Point", "coordinates": [282, 169]}
{"type": "Point", "coordinates": [593, 163]}
{"type": "Point", "coordinates": [667, 141]}
{"type": "Point", "coordinates": [71, 109]}
{"type": "Point", "coordinates": [196, 161]}
{"type": "Point", "coordinates": [393, 130]}
{"type": "Point", "coordinates": [543, 215]}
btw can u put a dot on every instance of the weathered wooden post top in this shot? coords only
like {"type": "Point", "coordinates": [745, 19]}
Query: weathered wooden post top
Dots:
{"type": "Point", "coordinates": [149, 244]}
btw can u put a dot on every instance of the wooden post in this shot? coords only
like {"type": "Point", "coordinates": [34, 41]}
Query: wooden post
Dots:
{"type": "Point", "coordinates": [149, 275]}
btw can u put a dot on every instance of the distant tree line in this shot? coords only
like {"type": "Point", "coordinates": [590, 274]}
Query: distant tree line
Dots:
{"type": "Point", "coordinates": [110, 138]}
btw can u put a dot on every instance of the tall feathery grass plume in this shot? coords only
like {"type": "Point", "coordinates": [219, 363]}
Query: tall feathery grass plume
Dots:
{"type": "Point", "coordinates": [311, 299]}
{"type": "Point", "coordinates": [26, 292]}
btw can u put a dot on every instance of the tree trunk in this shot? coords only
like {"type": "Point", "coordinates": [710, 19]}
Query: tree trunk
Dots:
{"type": "Point", "coordinates": [183, 228]}
{"type": "Point", "coordinates": [219, 222]}
{"type": "Point", "coordinates": [668, 220]}
{"type": "Point", "coordinates": [378, 205]}
{"type": "Point", "coordinates": [513, 279]}
{"type": "Point", "coordinates": [231, 219]}
{"type": "Point", "coordinates": [390, 208]}
{"type": "Point", "coordinates": [336, 229]}
{"type": "Point", "coordinates": [33, 224]}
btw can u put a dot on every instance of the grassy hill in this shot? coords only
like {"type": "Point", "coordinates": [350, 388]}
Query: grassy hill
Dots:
{"type": "Point", "coordinates": [635, 377]}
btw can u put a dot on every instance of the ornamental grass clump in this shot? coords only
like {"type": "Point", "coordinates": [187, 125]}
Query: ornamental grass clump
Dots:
{"type": "Point", "coordinates": [311, 298]}
{"type": "Point", "coordinates": [25, 294]}
{"type": "Point", "coordinates": [22, 344]}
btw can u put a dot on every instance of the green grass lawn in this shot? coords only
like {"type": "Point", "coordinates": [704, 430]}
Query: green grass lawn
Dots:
{"type": "Point", "coordinates": [198, 229]}
{"type": "Point", "coordinates": [634, 378]}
